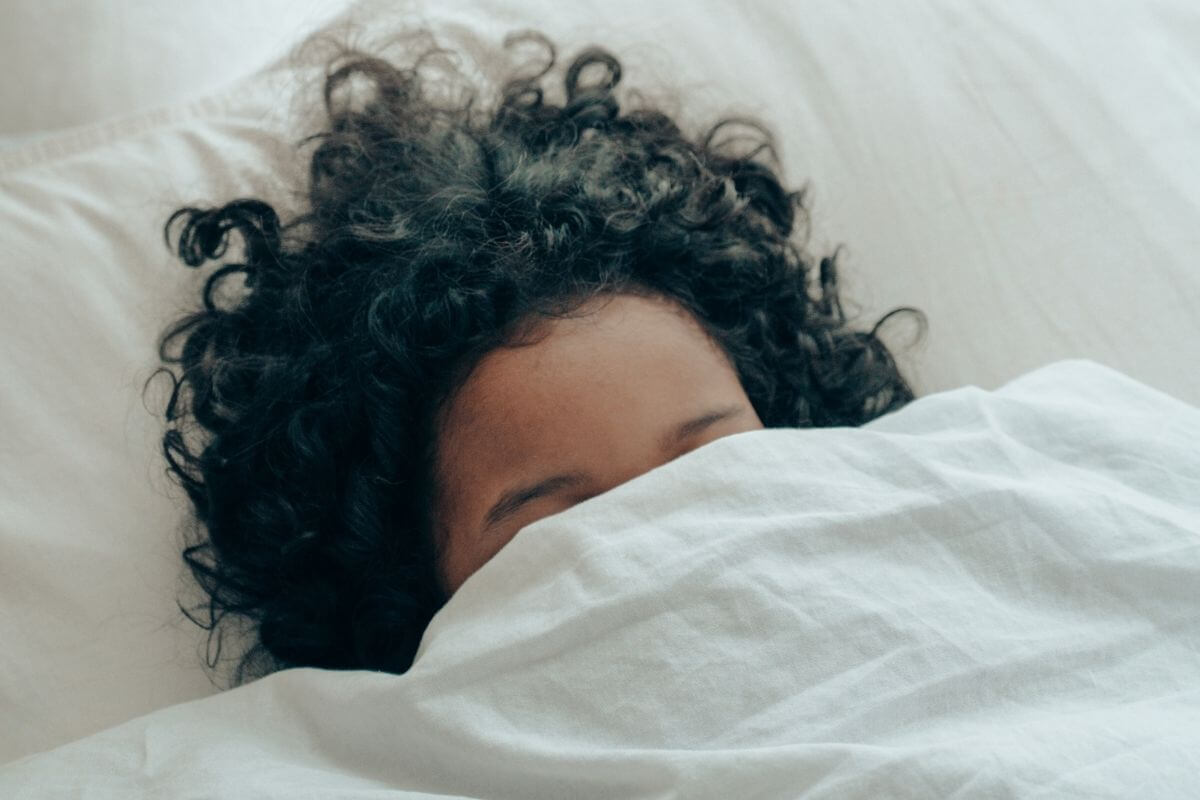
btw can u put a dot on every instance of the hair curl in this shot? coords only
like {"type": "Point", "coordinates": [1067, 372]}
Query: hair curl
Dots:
{"type": "Point", "coordinates": [433, 230]}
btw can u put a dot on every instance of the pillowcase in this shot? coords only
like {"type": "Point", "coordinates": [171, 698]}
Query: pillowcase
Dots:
{"type": "Point", "coordinates": [90, 562]}
{"type": "Point", "coordinates": [993, 590]}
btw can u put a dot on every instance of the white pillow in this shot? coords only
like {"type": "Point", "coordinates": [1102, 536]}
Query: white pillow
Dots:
{"type": "Point", "coordinates": [89, 546]}
{"type": "Point", "coordinates": [1028, 175]}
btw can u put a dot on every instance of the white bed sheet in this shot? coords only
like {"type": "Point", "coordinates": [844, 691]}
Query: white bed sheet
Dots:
{"type": "Point", "coordinates": [1027, 173]}
{"type": "Point", "coordinates": [981, 595]}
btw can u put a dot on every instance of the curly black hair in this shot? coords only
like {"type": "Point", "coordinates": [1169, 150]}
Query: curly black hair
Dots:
{"type": "Point", "coordinates": [302, 420]}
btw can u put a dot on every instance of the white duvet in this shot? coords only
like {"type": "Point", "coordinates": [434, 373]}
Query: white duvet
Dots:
{"type": "Point", "coordinates": [985, 594]}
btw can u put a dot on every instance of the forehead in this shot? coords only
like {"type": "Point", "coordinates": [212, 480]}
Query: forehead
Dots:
{"type": "Point", "coordinates": [621, 349]}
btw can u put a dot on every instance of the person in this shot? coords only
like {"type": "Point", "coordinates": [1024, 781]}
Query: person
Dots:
{"type": "Point", "coordinates": [484, 316]}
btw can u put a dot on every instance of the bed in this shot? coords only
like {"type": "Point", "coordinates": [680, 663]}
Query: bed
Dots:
{"type": "Point", "coordinates": [994, 592]}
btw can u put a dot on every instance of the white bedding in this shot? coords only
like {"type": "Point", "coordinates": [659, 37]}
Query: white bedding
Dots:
{"type": "Point", "coordinates": [1026, 172]}
{"type": "Point", "coordinates": [985, 594]}
{"type": "Point", "coordinates": [72, 62]}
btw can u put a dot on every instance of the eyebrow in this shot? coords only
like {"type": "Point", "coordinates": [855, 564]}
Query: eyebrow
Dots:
{"type": "Point", "coordinates": [514, 499]}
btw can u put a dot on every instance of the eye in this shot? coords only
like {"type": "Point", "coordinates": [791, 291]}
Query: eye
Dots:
{"type": "Point", "coordinates": [710, 434]}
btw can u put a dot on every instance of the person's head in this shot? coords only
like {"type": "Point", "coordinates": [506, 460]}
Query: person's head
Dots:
{"type": "Point", "coordinates": [483, 317]}
{"type": "Point", "coordinates": [589, 404]}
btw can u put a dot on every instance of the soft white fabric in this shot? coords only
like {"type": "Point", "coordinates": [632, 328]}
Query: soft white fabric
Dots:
{"type": "Point", "coordinates": [985, 594]}
{"type": "Point", "coordinates": [1027, 173]}
{"type": "Point", "coordinates": [89, 547]}
{"type": "Point", "coordinates": [73, 62]}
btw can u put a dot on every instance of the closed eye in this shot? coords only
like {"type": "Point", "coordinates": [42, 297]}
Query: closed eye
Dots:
{"type": "Point", "coordinates": [514, 499]}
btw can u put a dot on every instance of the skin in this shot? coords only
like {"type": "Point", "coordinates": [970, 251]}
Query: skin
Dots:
{"type": "Point", "coordinates": [597, 395]}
